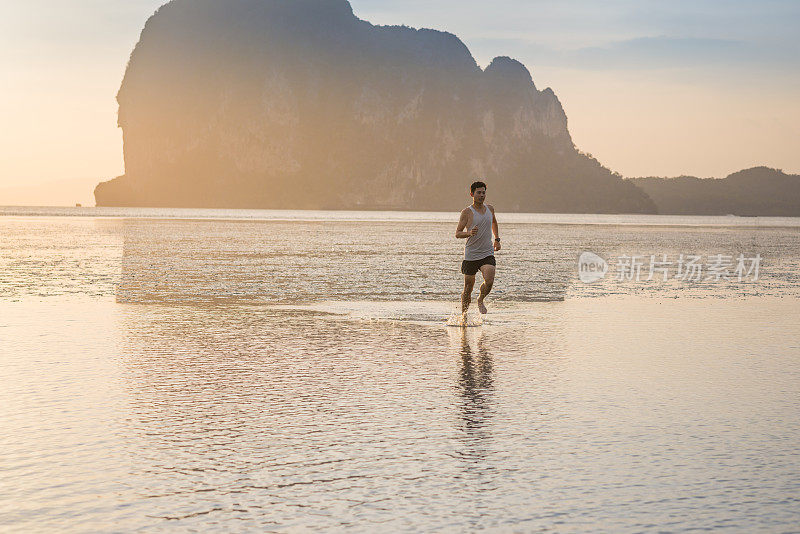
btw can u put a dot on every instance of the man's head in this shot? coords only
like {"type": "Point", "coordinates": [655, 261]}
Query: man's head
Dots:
{"type": "Point", "coordinates": [478, 191]}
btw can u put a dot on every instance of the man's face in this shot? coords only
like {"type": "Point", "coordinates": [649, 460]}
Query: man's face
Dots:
{"type": "Point", "coordinates": [479, 195]}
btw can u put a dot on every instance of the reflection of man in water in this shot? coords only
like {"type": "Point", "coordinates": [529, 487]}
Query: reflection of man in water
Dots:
{"type": "Point", "coordinates": [476, 383]}
{"type": "Point", "coordinates": [479, 249]}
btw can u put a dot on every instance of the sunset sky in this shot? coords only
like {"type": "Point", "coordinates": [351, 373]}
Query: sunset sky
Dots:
{"type": "Point", "coordinates": [703, 88]}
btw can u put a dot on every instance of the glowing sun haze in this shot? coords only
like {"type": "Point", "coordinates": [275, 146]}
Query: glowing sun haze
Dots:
{"type": "Point", "coordinates": [650, 88]}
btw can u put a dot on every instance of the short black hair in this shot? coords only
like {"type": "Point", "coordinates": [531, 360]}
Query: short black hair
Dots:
{"type": "Point", "coordinates": [476, 185]}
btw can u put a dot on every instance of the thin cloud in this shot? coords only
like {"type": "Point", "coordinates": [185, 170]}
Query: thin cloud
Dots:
{"type": "Point", "coordinates": [648, 53]}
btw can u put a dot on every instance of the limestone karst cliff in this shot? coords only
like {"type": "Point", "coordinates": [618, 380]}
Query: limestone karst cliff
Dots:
{"type": "Point", "coordinates": [300, 104]}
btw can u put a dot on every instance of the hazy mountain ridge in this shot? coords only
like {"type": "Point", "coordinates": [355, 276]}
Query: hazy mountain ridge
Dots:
{"type": "Point", "coordinates": [751, 192]}
{"type": "Point", "coordinates": [270, 103]}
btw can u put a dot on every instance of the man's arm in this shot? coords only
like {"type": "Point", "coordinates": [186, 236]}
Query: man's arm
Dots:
{"type": "Point", "coordinates": [463, 221]}
{"type": "Point", "coordinates": [495, 229]}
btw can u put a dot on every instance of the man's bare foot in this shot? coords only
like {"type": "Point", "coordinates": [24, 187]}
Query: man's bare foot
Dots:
{"type": "Point", "coordinates": [482, 307]}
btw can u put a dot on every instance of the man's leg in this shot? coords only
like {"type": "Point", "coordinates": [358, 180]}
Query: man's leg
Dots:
{"type": "Point", "coordinates": [488, 280]}
{"type": "Point", "coordinates": [466, 296]}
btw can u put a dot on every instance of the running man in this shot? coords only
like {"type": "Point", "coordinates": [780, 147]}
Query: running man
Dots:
{"type": "Point", "coordinates": [479, 250]}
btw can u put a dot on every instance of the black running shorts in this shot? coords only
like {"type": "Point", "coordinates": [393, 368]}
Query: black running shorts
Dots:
{"type": "Point", "coordinates": [470, 267]}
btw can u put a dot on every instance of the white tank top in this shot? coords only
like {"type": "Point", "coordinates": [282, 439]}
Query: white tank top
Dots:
{"type": "Point", "coordinates": [480, 245]}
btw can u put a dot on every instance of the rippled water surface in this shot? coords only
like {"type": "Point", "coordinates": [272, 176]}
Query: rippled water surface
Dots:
{"type": "Point", "coordinates": [242, 373]}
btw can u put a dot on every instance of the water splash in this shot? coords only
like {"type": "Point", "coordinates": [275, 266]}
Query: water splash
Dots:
{"type": "Point", "coordinates": [465, 319]}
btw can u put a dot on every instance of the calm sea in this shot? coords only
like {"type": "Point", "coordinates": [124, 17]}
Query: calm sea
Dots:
{"type": "Point", "coordinates": [248, 370]}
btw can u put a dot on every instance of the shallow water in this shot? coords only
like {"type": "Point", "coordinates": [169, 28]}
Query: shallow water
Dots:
{"type": "Point", "coordinates": [275, 375]}
{"type": "Point", "coordinates": [183, 260]}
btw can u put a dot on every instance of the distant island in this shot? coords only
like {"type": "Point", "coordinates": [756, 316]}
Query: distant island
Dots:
{"type": "Point", "coordinates": [759, 191]}
{"type": "Point", "coordinates": [301, 105]}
